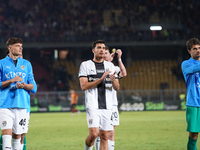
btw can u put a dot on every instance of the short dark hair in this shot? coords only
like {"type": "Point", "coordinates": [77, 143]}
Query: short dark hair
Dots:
{"type": "Point", "coordinates": [13, 40]}
{"type": "Point", "coordinates": [97, 42]}
{"type": "Point", "coordinates": [106, 48]}
{"type": "Point", "coordinates": [191, 42]}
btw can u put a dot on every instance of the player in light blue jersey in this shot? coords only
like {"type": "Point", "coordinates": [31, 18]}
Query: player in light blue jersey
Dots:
{"type": "Point", "coordinates": [16, 83]}
{"type": "Point", "coordinates": [23, 137]}
{"type": "Point", "coordinates": [191, 69]}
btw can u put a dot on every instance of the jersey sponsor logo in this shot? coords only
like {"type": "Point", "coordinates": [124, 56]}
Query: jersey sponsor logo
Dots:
{"type": "Point", "coordinates": [109, 88]}
{"type": "Point", "coordinates": [100, 70]}
{"type": "Point", "coordinates": [22, 67]}
{"type": "Point", "coordinates": [93, 79]}
{"type": "Point", "coordinates": [90, 121]}
{"type": "Point", "coordinates": [14, 74]}
{"type": "Point", "coordinates": [4, 123]}
{"type": "Point", "coordinates": [107, 79]}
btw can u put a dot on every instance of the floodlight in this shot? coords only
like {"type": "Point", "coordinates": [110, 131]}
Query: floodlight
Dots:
{"type": "Point", "coordinates": [155, 28]}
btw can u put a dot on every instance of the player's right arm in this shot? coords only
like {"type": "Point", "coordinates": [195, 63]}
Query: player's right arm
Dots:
{"type": "Point", "coordinates": [8, 82]}
{"type": "Point", "coordinates": [85, 84]}
{"type": "Point", "coordinates": [189, 68]}
{"type": "Point", "coordinates": [121, 65]}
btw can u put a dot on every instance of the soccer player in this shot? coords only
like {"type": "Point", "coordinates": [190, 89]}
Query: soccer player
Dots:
{"type": "Point", "coordinates": [74, 101]}
{"type": "Point", "coordinates": [23, 137]}
{"type": "Point", "coordinates": [121, 72]}
{"type": "Point", "coordinates": [16, 83]}
{"type": "Point", "coordinates": [97, 79]}
{"type": "Point", "coordinates": [191, 69]}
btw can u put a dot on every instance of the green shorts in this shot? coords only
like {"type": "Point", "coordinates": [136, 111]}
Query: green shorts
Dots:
{"type": "Point", "coordinates": [193, 119]}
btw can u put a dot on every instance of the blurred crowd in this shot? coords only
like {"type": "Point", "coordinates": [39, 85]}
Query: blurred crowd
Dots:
{"type": "Point", "coordinates": [86, 20]}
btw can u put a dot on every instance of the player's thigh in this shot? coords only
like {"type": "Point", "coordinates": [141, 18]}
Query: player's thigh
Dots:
{"type": "Point", "coordinates": [20, 121]}
{"type": "Point", "coordinates": [6, 118]}
{"type": "Point", "coordinates": [27, 117]}
{"type": "Point", "coordinates": [92, 118]}
{"type": "Point", "coordinates": [106, 123]}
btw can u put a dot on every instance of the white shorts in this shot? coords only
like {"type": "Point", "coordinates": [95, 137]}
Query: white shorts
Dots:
{"type": "Point", "coordinates": [115, 116]}
{"type": "Point", "coordinates": [27, 116]}
{"type": "Point", "coordinates": [14, 119]}
{"type": "Point", "coordinates": [100, 118]}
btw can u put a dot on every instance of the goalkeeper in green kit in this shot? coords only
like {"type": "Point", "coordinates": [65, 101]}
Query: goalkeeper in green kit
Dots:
{"type": "Point", "coordinates": [191, 73]}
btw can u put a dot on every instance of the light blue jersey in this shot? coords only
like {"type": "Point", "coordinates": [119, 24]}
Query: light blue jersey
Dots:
{"type": "Point", "coordinates": [191, 73]}
{"type": "Point", "coordinates": [11, 97]}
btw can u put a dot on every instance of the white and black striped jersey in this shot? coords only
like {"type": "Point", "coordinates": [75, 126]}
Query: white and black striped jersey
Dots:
{"type": "Point", "coordinates": [101, 96]}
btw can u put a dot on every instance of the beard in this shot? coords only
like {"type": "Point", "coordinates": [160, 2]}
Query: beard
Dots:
{"type": "Point", "coordinates": [14, 53]}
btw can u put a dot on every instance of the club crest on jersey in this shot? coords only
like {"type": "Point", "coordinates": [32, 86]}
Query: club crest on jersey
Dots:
{"type": "Point", "coordinates": [90, 121]}
{"type": "Point", "coordinates": [107, 69]}
{"type": "Point", "coordinates": [4, 123]}
{"type": "Point", "coordinates": [22, 67]}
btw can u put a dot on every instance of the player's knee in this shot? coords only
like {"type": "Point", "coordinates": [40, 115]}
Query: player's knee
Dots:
{"type": "Point", "coordinates": [194, 136]}
{"type": "Point", "coordinates": [16, 136]}
{"type": "Point", "coordinates": [104, 136]}
{"type": "Point", "coordinates": [111, 135]}
{"type": "Point", "coordinates": [94, 135]}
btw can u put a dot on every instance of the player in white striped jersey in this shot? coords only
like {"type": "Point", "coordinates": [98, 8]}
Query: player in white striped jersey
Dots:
{"type": "Point", "coordinates": [121, 72]}
{"type": "Point", "coordinates": [97, 79]}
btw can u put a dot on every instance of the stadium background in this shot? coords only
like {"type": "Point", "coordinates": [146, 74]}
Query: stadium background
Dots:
{"type": "Point", "coordinates": [58, 34]}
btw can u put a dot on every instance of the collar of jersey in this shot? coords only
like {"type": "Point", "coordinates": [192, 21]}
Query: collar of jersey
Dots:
{"type": "Point", "coordinates": [10, 59]}
{"type": "Point", "coordinates": [97, 62]}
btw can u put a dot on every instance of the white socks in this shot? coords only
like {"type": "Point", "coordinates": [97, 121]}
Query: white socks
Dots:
{"type": "Point", "coordinates": [97, 143]}
{"type": "Point", "coordinates": [88, 148]}
{"type": "Point", "coordinates": [111, 145]}
{"type": "Point", "coordinates": [6, 142]}
{"type": "Point", "coordinates": [16, 144]}
{"type": "Point", "coordinates": [22, 146]}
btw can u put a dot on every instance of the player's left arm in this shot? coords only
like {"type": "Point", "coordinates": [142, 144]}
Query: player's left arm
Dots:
{"type": "Point", "coordinates": [31, 84]}
{"type": "Point", "coordinates": [123, 72]}
{"type": "Point", "coordinates": [25, 86]}
{"type": "Point", "coordinates": [114, 81]}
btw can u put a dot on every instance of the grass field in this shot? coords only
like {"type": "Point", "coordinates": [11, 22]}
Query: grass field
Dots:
{"type": "Point", "coordinates": [146, 130]}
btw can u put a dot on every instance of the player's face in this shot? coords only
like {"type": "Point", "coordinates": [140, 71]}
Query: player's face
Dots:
{"type": "Point", "coordinates": [16, 49]}
{"type": "Point", "coordinates": [107, 55]}
{"type": "Point", "coordinates": [99, 50]}
{"type": "Point", "coordinates": [195, 52]}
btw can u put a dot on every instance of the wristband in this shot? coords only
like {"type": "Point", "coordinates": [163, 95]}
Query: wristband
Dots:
{"type": "Point", "coordinates": [120, 59]}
